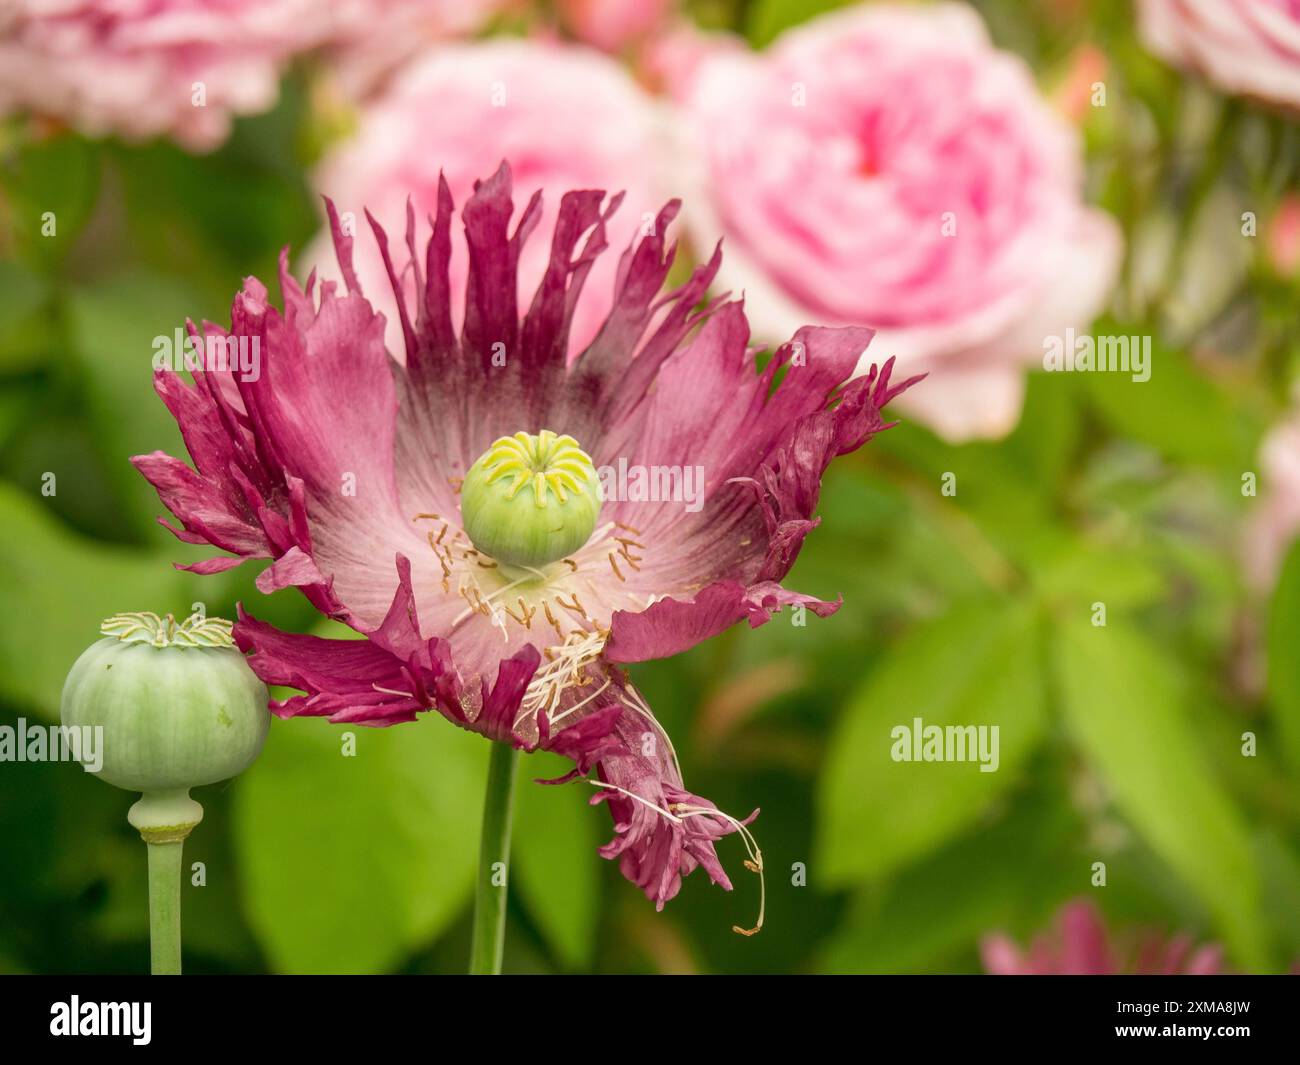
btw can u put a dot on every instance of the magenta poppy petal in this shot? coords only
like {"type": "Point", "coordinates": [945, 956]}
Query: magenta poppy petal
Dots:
{"type": "Point", "coordinates": [207, 511]}
{"type": "Point", "coordinates": [211, 565]}
{"type": "Point", "coordinates": [671, 626]}
{"type": "Point", "coordinates": [1079, 944]}
{"type": "Point", "coordinates": [1084, 949]}
{"type": "Point", "coordinates": [345, 680]}
{"type": "Point", "coordinates": [292, 569]}
{"type": "Point", "coordinates": [655, 851]}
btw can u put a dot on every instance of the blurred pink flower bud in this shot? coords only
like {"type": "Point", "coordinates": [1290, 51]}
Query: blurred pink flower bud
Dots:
{"type": "Point", "coordinates": [1085, 70]}
{"type": "Point", "coordinates": [1283, 239]}
{"type": "Point", "coordinates": [1275, 519]}
{"type": "Point", "coordinates": [613, 24]}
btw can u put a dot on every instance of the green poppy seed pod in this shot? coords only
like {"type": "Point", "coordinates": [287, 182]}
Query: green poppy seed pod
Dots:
{"type": "Point", "coordinates": [177, 706]}
{"type": "Point", "coordinates": [529, 500]}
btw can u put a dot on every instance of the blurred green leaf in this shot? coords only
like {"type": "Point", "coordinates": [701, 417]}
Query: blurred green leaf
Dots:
{"type": "Point", "coordinates": [23, 324]}
{"type": "Point", "coordinates": [52, 182]}
{"type": "Point", "coordinates": [48, 439]}
{"type": "Point", "coordinates": [1045, 438]}
{"type": "Point", "coordinates": [977, 665]}
{"type": "Point", "coordinates": [114, 326]}
{"type": "Point", "coordinates": [766, 19]}
{"type": "Point", "coordinates": [1284, 656]}
{"type": "Point", "coordinates": [351, 863]}
{"type": "Point", "coordinates": [1280, 870]}
{"type": "Point", "coordinates": [557, 869]}
{"type": "Point", "coordinates": [979, 491]}
{"type": "Point", "coordinates": [1125, 702]}
{"type": "Point", "coordinates": [1179, 411]}
{"type": "Point", "coordinates": [1010, 873]}
{"type": "Point", "coordinates": [224, 215]}
{"type": "Point", "coordinates": [58, 588]}
{"type": "Point", "coordinates": [1083, 573]}
{"type": "Point", "coordinates": [16, 401]}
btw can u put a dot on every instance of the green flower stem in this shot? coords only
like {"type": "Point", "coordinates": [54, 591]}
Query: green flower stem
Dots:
{"type": "Point", "coordinates": [488, 942]}
{"type": "Point", "coordinates": [165, 908]}
{"type": "Point", "coordinates": [164, 819]}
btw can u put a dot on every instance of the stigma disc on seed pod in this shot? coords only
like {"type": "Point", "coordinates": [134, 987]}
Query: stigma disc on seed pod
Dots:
{"type": "Point", "coordinates": [176, 703]}
{"type": "Point", "coordinates": [531, 499]}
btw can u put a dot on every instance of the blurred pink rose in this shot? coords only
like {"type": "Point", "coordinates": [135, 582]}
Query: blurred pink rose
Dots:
{"type": "Point", "coordinates": [669, 60]}
{"type": "Point", "coordinates": [1079, 945]}
{"type": "Point", "coordinates": [372, 39]}
{"type": "Point", "coordinates": [1275, 520]}
{"type": "Point", "coordinates": [129, 67]}
{"type": "Point", "coordinates": [887, 166]}
{"type": "Point", "coordinates": [613, 24]}
{"type": "Point", "coordinates": [564, 116]}
{"type": "Point", "coordinates": [1251, 47]}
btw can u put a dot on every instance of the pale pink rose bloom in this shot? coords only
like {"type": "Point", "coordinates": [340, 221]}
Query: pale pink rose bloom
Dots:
{"type": "Point", "coordinates": [565, 117]}
{"type": "Point", "coordinates": [129, 67]}
{"type": "Point", "coordinates": [887, 166]}
{"type": "Point", "coordinates": [1275, 519]}
{"type": "Point", "coordinates": [1248, 47]}
{"type": "Point", "coordinates": [613, 24]}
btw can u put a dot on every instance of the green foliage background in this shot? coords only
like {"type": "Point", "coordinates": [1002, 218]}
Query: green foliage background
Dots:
{"type": "Point", "coordinates": [1120, 744]}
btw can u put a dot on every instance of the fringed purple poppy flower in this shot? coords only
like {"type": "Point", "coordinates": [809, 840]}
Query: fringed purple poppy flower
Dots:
{"type": "Point", "coordinates": [505, 526]}
{"type": "Point", "coordinates": [1079, 945]}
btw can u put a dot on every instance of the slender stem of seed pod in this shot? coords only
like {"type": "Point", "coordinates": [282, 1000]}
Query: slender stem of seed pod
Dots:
{"type": "Point", "coordinates": [489, 937]}
{"type": "Point", "coordinates": [164, 819]}
{"type": "Point", "coordinates": [165, 908]}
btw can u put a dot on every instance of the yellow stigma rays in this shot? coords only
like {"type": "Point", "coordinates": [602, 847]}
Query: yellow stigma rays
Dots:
{"type": "Point", "coordinates": [146, 627]}
{"type": "Point", "coordinates": [530, 500]}
{"type": "Point", "coordinates": [550, 464]}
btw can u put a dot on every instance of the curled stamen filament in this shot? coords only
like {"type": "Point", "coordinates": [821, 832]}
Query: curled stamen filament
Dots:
{"type": "Point", "coordinates": [754, 864]}
{"type": "Point", "coordinates": [680, 813]}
